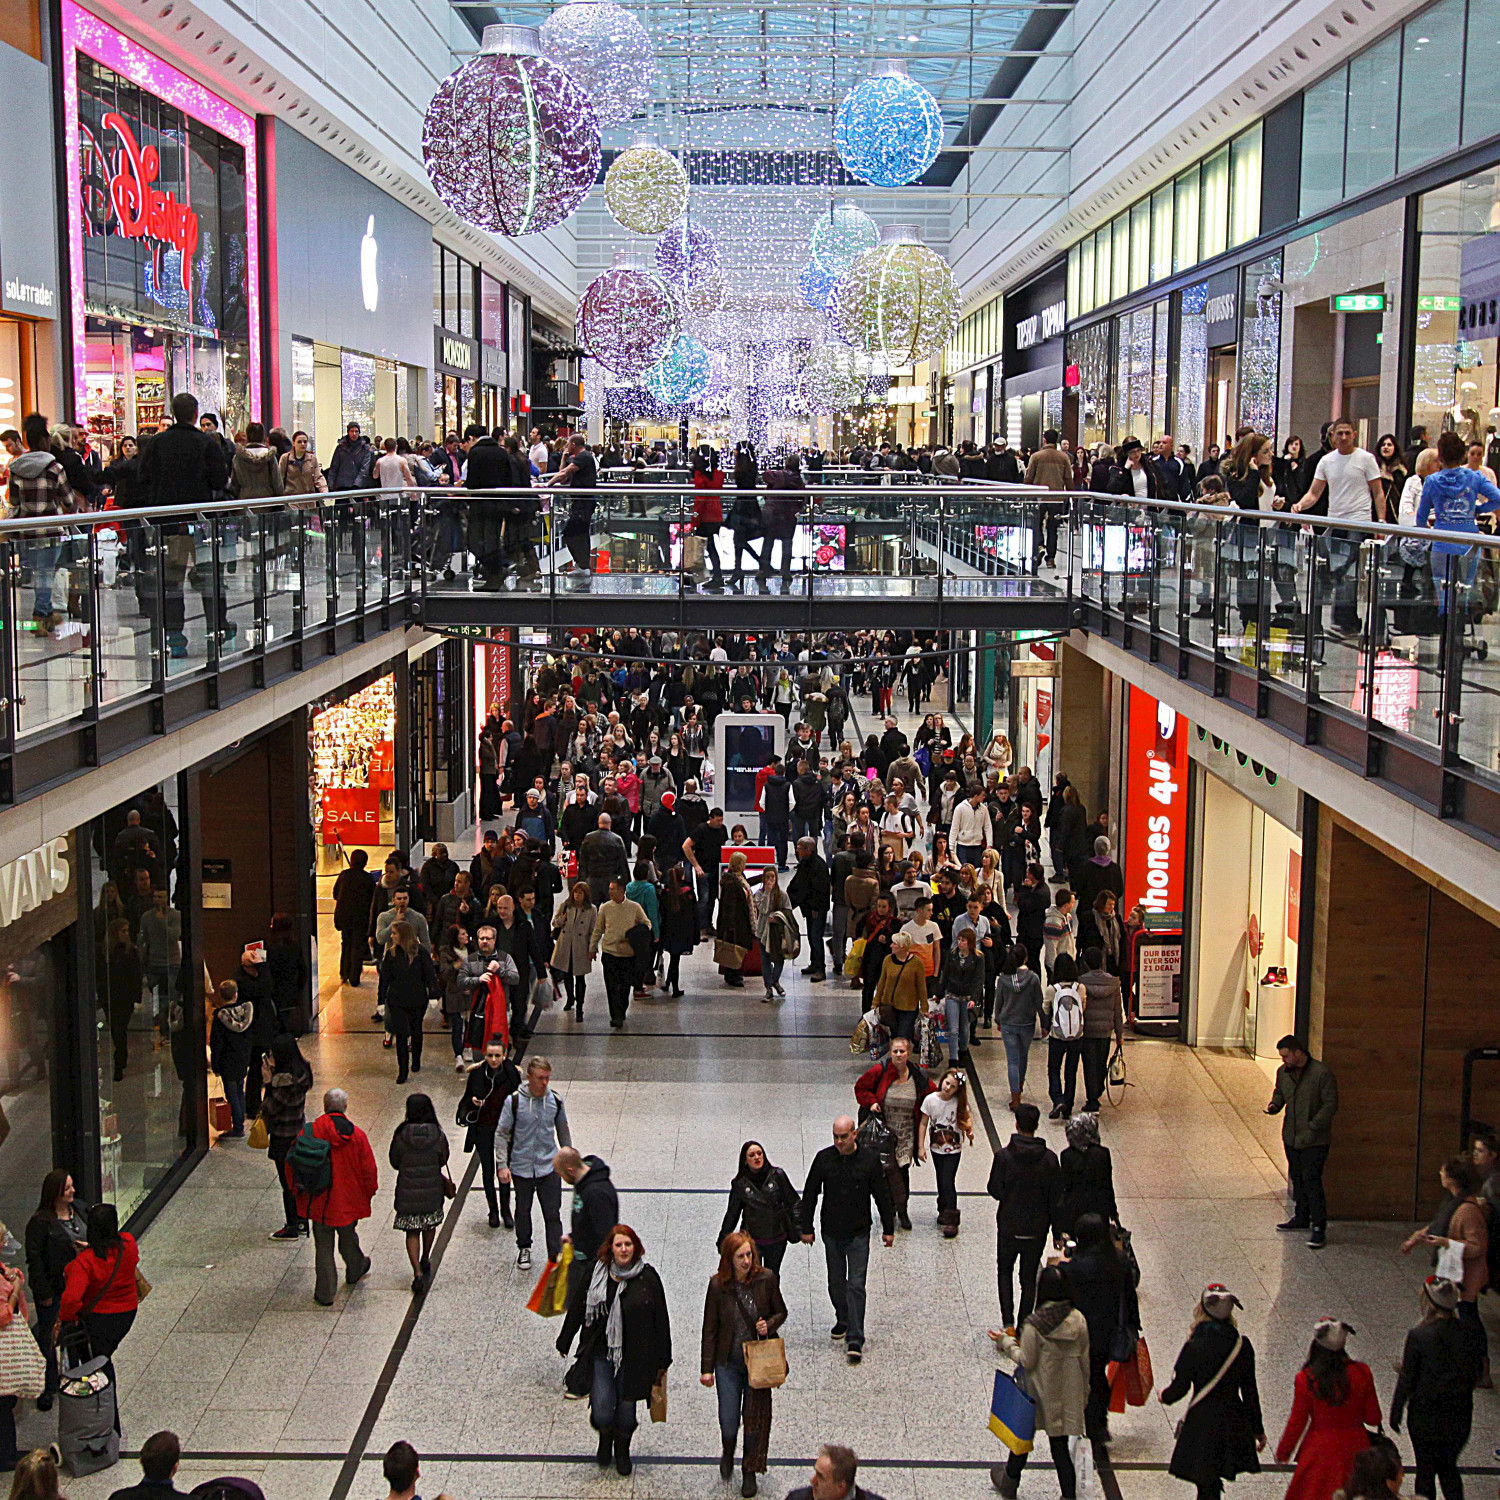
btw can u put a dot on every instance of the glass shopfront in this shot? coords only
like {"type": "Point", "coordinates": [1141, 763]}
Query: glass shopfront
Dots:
{"type": "Point", "coordinates": [162, 237]}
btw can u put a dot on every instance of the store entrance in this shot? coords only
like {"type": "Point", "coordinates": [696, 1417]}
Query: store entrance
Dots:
{"type": "Point", "coordinates": [131, 375]}
{"type": "Point", "coordinates": [1222, 397]}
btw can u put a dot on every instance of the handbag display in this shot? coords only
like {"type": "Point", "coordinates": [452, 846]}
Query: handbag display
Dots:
{"type": "Point", "coordinates": [260, 1136]}
{"type": "Point", "coordinates": [728, 955]}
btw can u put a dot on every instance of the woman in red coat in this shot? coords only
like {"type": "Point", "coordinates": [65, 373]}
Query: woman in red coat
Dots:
{"type": "Point", "coordinates": [1334, 1403]}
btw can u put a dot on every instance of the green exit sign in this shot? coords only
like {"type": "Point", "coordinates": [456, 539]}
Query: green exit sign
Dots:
{"type": "Point", "coordinates": [1355, 302]}
{"type": "Point", "coordinates": [1439, 304]}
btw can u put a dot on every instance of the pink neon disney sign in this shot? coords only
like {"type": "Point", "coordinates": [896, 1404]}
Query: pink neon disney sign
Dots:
{"type": "Point", "coordinates": [139, 206]}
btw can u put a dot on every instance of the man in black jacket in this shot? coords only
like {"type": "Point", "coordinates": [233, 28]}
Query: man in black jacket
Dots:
{"type": "Point", "coordinates": [833, 1477]}
{"type": "Point", "coordinates": [848, 1175]}
{"type": "Point", "coordinates": [809, 892]}
{"type": "Point", "coordinates": [1024, 1180]}
{"type": "Point", "coordinates": [159, 1457]}
{"type": "Point", "coordinates": [596, 1210]}
{"type": "Point", "coordinates": [776, 810]}
{"type": "Point", "coordinates": [181, 466]}
{"type": "Point", "coordinates": [808, 800]}
{"type": "Point", "coordinates": [489, 469]}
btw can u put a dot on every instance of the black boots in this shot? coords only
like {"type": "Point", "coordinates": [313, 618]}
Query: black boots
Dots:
{"type": "Point", "coordinates": [622, 1453]}
{"type": "Point", "coordinates": [747, 1484]}
{"type": "Point", "coordinates": [948, 1220]}
{"type": "Point", "coordinates": [606, 1446]}
{"type": "Point", "coordinates": [726, 1461]}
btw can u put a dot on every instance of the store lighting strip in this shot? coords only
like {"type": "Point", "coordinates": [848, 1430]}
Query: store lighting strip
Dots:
{"type": "Point", "coordinates": [83, 32]}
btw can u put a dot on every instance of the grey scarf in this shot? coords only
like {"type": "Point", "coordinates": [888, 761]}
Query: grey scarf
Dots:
{"type": "Point", "coordinates": [614, 1328]}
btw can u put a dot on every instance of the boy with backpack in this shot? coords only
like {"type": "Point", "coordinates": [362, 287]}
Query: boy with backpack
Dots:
{"type": "Point", "coordinates": [1060, 929]}
{"type": "Point", "coordinates": [331, 1172]}
{"type": "Point", "coordinates": [1062, 1018]}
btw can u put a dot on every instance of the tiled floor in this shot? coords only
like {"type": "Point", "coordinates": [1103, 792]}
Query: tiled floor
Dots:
{"type": "Point", "coordinates": [232, 1353]}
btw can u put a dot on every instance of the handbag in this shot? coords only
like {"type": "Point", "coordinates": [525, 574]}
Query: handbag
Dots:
{"type": "Point", "coordinates": [1208, 1390]}
{"type": "Point", "coordinates": [728, 955]}
{"type": "Point", "coordinates": [659, 1399]}
{"type": "Point", "coordinates": [1012, 1413]}
{"type": "Point", "coordinates": [450, 1188]}
{"type": "Point", "coordinates": [23, 1367]}
{"type": "Point", "coordinates": [543, 994]}
{"type": "Point", "coordinates": [260, 1136]}
{"type": "Point", "coordinates": [142, 1286]}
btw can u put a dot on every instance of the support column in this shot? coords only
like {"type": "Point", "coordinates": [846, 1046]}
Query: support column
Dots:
{"type": "Point", "coordinates": [984, 690]}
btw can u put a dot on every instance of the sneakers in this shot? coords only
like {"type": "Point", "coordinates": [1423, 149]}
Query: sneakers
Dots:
{"type": "Point", "coordinates": [1317, 1239]}
{"type": "Point", "coordinates": [287, 1232]}
{"type": "Point", "coordinates": [1294, 1226]}
{"type": "Point", "coordinates": [458, 1064]}
{"type": "Point", "coordinates": [854, 1354]}
{"type": "Point", "coordinates": [838, 1331]}
{"type": "Point", "coordinates": [523, 1260]}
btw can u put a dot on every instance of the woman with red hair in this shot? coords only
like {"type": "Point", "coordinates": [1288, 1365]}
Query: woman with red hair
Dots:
{"type": "Point", "coordinates": [627, 1341]}
{"type": "Point", "coordinates": [743, 1304]}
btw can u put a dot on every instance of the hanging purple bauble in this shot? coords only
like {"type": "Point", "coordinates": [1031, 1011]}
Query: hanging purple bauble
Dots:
{"type": "Point", "coordinates": [627, 319]}
{"type": "Point", "coordinates": [510, 141]}
{"type": "Point", "coordinates": [686, 254]}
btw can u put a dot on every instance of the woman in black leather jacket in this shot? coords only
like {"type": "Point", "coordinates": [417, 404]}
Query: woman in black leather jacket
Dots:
{"type": "Point", "coordinates": [53, 1236]}
{"type": "Point", "coordinates": [762, 1202]}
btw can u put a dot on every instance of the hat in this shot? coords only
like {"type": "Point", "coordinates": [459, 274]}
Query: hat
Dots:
{"type": "Point", "coordinates": [669, 800]}
{"type": "Point", "coordinates": [654, 761]}
{"type": "Point", "coordinates": [1330, 1333]}
{"type": "Point", "coordinates": [255, 953]}
{"type": "Point", "coordinates": [1219, 1302]}
{"type": "Point", "coordinates": [1101, 847]}
{"type": "Point", "coordinates": [1441, 1292]}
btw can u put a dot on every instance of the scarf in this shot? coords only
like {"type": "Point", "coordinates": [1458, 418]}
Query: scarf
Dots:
{"type": "Point", "coordinates": [614, 1328]}
{"type": "Point", "coordinates": [1049, 1315]}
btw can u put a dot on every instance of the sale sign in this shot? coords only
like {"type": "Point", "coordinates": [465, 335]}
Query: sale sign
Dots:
{"type": "Point", "coordinates": [383, 766]}
{"type": "Point", "coordinates": [1156, 808]}
{"type": "Point", "coordinates": [351, 815]}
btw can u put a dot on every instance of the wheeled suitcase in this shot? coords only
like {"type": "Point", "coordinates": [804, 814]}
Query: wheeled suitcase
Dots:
{"type": "Point", "coordinates": [86, 1435]}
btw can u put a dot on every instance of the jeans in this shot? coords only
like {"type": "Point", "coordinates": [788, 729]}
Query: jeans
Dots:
{"type": "Point", "coordinates": [548, 1193]}
{"type": "Point", "coordinates": [41, 558]}
{"type": "Point", "coordinates": [1343, 577]}
{"type": "Point", "coordinates": [280, 1145]}
{"type": "Point", "coordinates": [731, 1386]}
{"type": "Point", "coordinates": [742, 541]}
{"type": "Point", "coordinates": [353, 948]}
{"type": "Point", "coordinates": [956, 1015]}
{"type": "Point", "coordinates": [905, 1025]}
{"type": "Point", "coordinates": [807, 828]}
{"type": "Point", "coordinates": [607, 1411]}
{"type": "Point", "coordinates": [1062, 1459]}
{"type": "Point", "coordinates": [619, 980]}
{"type": "Point", "coordinates": [1007, 1252]}
{"type": "Point", "coordinates": [770, 970]}
{"type": "Point", "coordinates": [776, 835]}
{"type": "Point", "coordinates": [1095, 1069]}
{"type": "Point", "coordinates": [772, 1253]}
{"type": "Point", "coordinates": [817, 941]}
{"type": "Point", "coordinates": [1017, 1041]}
{"type": "Point", "coordinates": [1437, 1461]}
{"type": "Point", "coordinates": [848, 1260]}
{"type": "Point", "coordinates": [1307, 1183]}
{"type": "Point", "coordinates": [234, 1092]}
{"type": "Point", "coordinates": [838, 948]}
{"type": "Point", "coordinates": [705, 902]}
{"type": "Point", "coordinates": [458, 1025]}
{"type": "Point", "coordinates": [785, 543]}
{"type": "Point", "coordinates": [46, 1316]}
{"type": "Point", "coordinates": [969, 854]}
{"type": "Point", "coordinates": [106, 1333]}
{"type": "Point", "coordinates": [1096, 1412]}
{"type": "Point", "coordinates": [484, 1144]}
{"type": "Point", "coordinates": [1062, 1070]}
{"type": "Point", "coordinates": [161, 978]}
{"type": "Point", "coordinates": [355, 1260]}
{"type": "Point", "coordinates": [945, 1164]}
{"type": "Point", "coordinates": [10, 1455]}
{"type": "Point", "coordinates": [580, 550]}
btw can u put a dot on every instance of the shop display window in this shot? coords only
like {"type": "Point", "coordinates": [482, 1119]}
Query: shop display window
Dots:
{"type": "Point", "coordinates": [1431, 84]}
{"type": "Point", "coordinates": [1260, 343]}
{"type": "Point", "coordinates": [351, 747]}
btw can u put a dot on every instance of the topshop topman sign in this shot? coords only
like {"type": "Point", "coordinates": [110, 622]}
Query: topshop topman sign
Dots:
{"type": "Point", "coordinates": [1041, 326]}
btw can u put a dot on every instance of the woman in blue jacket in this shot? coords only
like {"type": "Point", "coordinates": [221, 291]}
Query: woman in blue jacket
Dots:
{"type": "Point", "coordinates": [1451, 499]}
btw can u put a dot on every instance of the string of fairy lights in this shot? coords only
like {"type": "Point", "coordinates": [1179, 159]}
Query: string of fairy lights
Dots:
{"type": "Point", "coordinates": [690, 322]}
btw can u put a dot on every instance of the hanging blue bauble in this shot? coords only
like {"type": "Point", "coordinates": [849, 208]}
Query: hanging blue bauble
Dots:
{"type": "Point", "coordinates": [888, 130]}
{"type": "Point", "coordinates": [840, 235]}
{"type": "Point", "coordinates": [682, 375]}
{"type": "Point", "coordinates": [815, 286]}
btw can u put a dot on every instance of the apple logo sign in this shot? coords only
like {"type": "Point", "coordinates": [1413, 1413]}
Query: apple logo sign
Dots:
{"type": "Point", "coordinates": [369, 277]}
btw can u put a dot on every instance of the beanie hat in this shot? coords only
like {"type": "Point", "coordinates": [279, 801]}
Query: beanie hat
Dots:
{"type": "Point", "coordinates": [1441, 1292]}
{"type": "Point", "coordinates": [1330, 1333]}
{"type": "Point", "coordinates": [1219, 1302]}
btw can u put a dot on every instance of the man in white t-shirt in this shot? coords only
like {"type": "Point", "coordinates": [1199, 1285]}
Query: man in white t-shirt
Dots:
{"type": "Point", "coordinates": [1350, 478]}
{"type": "Point", "coordinates": [921, 929]}
{"type": "Point", "coordinates": [538, 453]}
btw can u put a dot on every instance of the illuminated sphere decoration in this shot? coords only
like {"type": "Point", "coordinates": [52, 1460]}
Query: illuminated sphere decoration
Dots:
{"type": "Point", "coordinates": [646, 189]}
{"type": "Point", "coordinates": [683, 375]}
{"type": "Point", "coordinates": [702, 299]}
{"type": "Point", "coordinates": [511, 142]}
{"type": "Point", "coordinates": [608, 53]}
{"type": "Point", "coordinates": [899, 301]}
{"type": "Point", "coordinates": [627, 319]}
{"type": "Point", "coordinates": [841, 234]}
{"type": "Point", "coordinates": [686, 254]}
{"type": "Point", "coordinates": [888, 130]}
{"type": "Point", "coordinates": [815, 286]}
{"type": "Point", "coordinates": [833, 380]}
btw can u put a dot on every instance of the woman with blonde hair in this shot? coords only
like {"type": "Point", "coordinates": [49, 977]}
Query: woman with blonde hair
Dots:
{"type": "Point", "coordinates": [743, 1305]}
{"type": "Point", "coordinates": [35, 1476]}
{"type": "Point", "coordinates": [408, 981]}
{"type": "Point", "coordinates": [735, 927]}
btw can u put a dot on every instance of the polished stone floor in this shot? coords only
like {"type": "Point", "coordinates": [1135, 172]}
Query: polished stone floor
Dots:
{"type": "Point", "coordinates": [232, 1353]}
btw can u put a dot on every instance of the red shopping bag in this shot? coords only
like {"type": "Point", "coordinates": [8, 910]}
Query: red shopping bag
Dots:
{"type": "Point", "coordinates": [542, 1295]}
{"type": "Point", "coordinates": [1131, 1382]}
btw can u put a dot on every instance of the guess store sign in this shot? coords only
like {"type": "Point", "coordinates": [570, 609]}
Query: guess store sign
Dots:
{"type": "Point", "coordinates": [1156, 810]}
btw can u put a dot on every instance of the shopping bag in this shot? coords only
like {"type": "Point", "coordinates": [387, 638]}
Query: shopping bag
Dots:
{"type": "Point", "coordinates": [765, 1363]}
{"type": "Point", "coordinates": [659, 1399]}
{"type": "Point", "coordinates": [728, 955]}
{"type": "Point", "coordinates": [859, 1041]}
{"type": "Point", "coordinates": [855, 959]}
{"type": "Point", "coordinates": [260, 1136]}
{"type": "Point", "coordinates": [693, 554]}
{"type": "Point", "coordinates": [1130, 1383]}
{"type": "Point", "coordinates": [1012, 1414]}
{"type": "Point", "coordinates": [23, 1370]}
{"type": "Point", "coordinates": [559, 1304]}
{"type": "Point", "coordinates": [541, 1298]}
{"type": "Point", "coordinates": [542, 994]}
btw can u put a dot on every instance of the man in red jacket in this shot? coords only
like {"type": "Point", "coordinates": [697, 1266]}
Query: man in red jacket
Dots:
{"type": "Point", "coordinates": [335, 1211]}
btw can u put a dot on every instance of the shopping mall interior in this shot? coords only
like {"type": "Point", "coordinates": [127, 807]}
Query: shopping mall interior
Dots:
{"type": "Point", "coordinates": [749, 747]}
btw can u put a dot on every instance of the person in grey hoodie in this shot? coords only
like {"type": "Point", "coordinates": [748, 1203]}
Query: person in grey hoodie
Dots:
{"type": "Point", "coordinates": [1018, 1001]}
{"type": "Point", "coordinates": [1103, 1017]}
{"type": "Point", "coordinates": [533, 1125]}
{"type": "Point", "coordinates": [256, 471]}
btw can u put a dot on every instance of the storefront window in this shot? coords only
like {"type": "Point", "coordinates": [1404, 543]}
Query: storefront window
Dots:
{"type": "Point", "coordinates": [1140, 245]}
{"type": "Point", "coordinates": [1185, 252]}
{"type": "Point", "coordinates": [491, 312]}
{"type": "Point", "coordinates": [163, 302]}
{"type": "Point", "coordinates": [1373, 77]}
{"type": "Point", "coordinates": [304, 388]}
{"type": "Point", "coordinates": [1192, 368]}
{"type": "Point", "coordinates": [1161, 233]}
{"type": "Point", "coordinates": [1120, 253]}
{"type": "Point", "coordinates": [1324, 110]}
{"type": "Point", "coordinates": [150, 1057]}
{"type": "Point", "coordinates": [1244, 186]}
{"type": "Point", "coordinates": [1260, 343]}
{"type": "Point", "coordinates": [1102, 243]}
{"type": "Point", "coordinates": [1481, 100]}
{"type": "Point", "coordinates": [357, 385]}
{"type": "Point", "coordinates": [1431, 89]}
{"type": "Point", "coordinates": [1089, 350]}
{"type": "Point", "coordinates": [1214, 202]}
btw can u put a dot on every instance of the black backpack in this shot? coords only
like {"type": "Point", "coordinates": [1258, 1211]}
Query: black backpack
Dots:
{"type": "Point", "coordinates": [311, 1161]}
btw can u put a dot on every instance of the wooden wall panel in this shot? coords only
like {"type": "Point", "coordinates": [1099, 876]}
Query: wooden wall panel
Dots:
{"type": "Point", "coordinates": [1463, 1011]}
{"type": "Point", "coordinates": [235, 812]}
{"type": "Point", "coordinates": [1373, 965]}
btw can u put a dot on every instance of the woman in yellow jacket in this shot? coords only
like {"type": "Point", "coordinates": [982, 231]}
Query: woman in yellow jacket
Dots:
{"type": "Point", "coordinates": [903, 986]}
